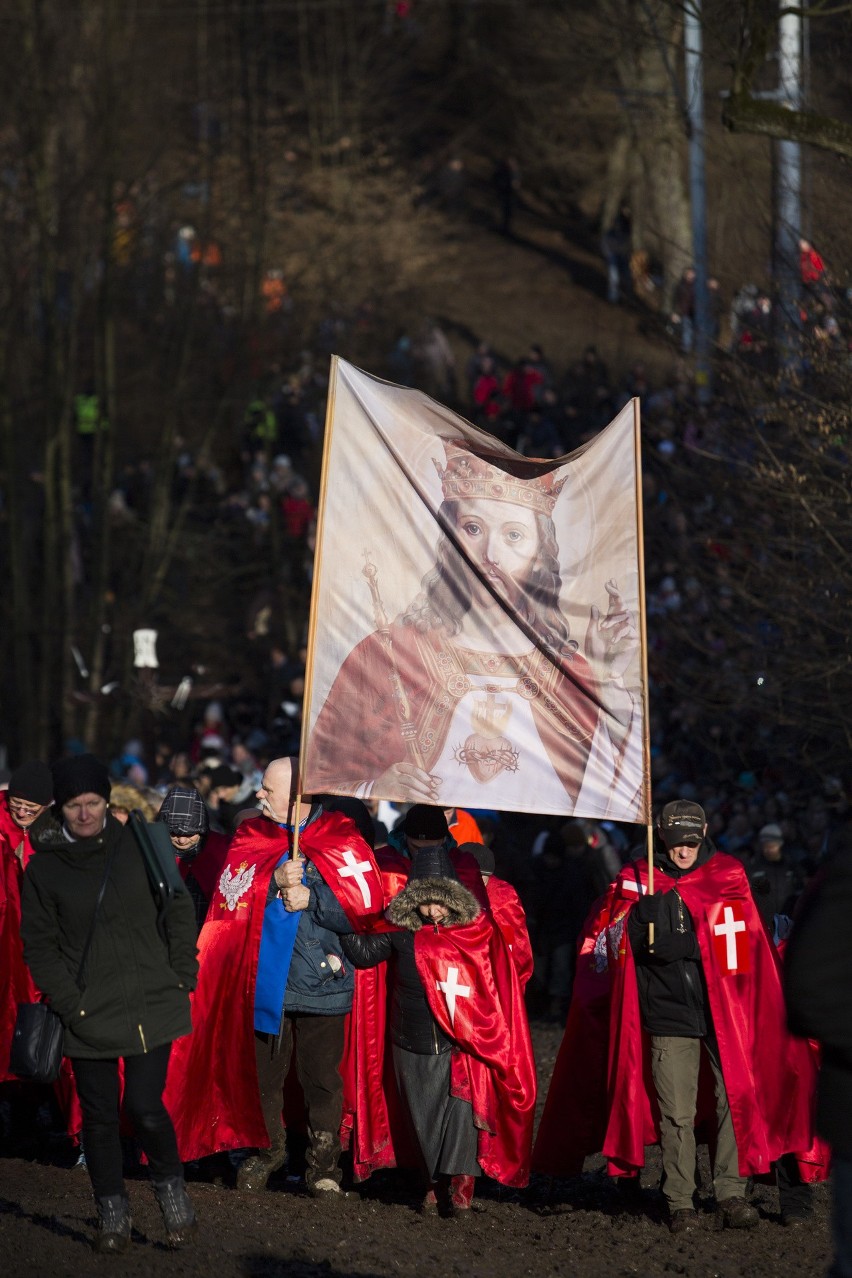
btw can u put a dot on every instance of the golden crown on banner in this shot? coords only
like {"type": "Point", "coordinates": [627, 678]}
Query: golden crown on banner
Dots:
{"type": "Point", "coordinates": [466, 475]}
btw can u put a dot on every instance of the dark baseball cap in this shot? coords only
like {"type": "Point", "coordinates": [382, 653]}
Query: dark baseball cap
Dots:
{"type": "Point", "coordinates": [682, 822]}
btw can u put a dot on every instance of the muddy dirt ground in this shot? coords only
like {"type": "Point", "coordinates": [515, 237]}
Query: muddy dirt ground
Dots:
{"type": "Point", "coordinates": [579, 1227]}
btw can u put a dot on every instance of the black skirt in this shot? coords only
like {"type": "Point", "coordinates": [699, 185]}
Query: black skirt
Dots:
{"type": "Point", "coordinates": [442, 1123]}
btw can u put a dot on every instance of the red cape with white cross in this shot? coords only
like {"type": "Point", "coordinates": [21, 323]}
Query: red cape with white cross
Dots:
{"type": "Point", "coordinates": [602, 1077]}
{"type": "Point", "coordinates": [474, 993]}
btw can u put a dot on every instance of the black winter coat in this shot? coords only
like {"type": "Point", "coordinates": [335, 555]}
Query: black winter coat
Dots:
{"type": "Point", "coordinates": [818, 987]}
{"type": "Point", "coordinates": [412, 1025]}
{"type": "Point", "coordinates": [135, 990]}
{"type": "Point", "coordinates": [672, 992]}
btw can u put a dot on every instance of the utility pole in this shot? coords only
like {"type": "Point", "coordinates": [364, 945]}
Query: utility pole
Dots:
{"type": "Point", "coordinates": [694, 66]}
{"type": "Point", "coordinates": [788, 194]}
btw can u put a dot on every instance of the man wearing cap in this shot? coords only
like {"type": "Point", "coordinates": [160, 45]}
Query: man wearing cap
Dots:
{"type": "Point", "coordinates": [199, 851]}
{"type": "Point", "coordinates": [705, 987]}
{"type": "Point", "coordinates": [775, 882]}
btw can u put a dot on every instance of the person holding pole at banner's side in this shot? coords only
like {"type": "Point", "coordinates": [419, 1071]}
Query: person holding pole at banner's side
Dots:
{"type": "Point", "coordinates": [273, 984]}
{"type": "Point", "coordinates": [677, 1009]}
{"type": "Point", "coordinates": [645, 1016]}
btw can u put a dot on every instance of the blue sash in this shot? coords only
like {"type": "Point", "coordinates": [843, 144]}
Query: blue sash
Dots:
{"type": "Point", "coordinates": [277, 940]}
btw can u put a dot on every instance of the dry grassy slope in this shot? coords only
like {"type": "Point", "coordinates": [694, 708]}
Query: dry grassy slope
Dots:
{"type": "Point", "coordinates": [538, 286]}
{"type": "Point", "coordinates": [546, 283]}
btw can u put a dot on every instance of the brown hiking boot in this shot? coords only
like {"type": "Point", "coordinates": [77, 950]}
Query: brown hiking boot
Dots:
{"type": "Point", "coordinates": [736, 1213]}
{"type": "Point", "coordinates": [680, 1222]}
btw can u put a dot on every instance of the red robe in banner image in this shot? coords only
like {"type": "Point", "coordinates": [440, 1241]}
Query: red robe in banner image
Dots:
{"type": "Point", "coordinates": [212, 1092]}
{"type": "Point", "coordinates": [602, 1094]}
{"type": "Point", "coordinates": [475, 996]}
{"type": "Point", "coordinates": [375, 1126]}
{"type": "Point", "coordinates": [361, 709]}
{"type": "Point", "coordinates": [508, 914]}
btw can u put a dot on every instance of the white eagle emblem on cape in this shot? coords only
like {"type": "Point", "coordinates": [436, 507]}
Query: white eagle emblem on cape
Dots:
{"type": "Point", "coordinates": [233, 886]}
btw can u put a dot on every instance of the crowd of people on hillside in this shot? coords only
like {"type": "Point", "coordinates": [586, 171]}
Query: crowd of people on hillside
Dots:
{"type": "Point", "coordinates": [292, 912]}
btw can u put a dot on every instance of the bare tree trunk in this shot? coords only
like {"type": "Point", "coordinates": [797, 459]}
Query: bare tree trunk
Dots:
{"type": "Point", "coordinates": [649, 63]}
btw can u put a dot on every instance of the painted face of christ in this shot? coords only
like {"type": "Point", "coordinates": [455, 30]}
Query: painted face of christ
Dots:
{"type": "Point", "coordinates": [501, 540]}
{"type": "Point", "coordinates": [493, 554]}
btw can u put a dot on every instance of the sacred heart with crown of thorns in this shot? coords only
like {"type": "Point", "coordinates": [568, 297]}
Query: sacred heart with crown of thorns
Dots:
{"type": "Point", "coordinates": [487, 752]}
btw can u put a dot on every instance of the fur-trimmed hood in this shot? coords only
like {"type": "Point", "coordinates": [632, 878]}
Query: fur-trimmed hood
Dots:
{"type": "Point", "coordinates": [462, 904]}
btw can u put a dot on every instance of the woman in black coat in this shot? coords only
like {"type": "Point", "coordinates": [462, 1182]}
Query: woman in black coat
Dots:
{"type": "Point", "coordinates": [133, 997]}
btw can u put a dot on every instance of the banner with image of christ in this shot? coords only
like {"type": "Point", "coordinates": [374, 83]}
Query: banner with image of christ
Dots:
{"type": "Point", "coordinates": [475, 638]}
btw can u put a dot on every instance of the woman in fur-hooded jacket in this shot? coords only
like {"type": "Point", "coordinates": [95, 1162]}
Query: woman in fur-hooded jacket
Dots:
{"type": "Point", "coordinates": [458, 1033]}
{"type": "Point", "coordinates": [422, 1051]}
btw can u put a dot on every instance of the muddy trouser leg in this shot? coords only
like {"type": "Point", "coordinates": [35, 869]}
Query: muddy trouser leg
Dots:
{"type": "Point", "coordinates": [273, 1054]}
{"type": "Point", "coordinates": [319, 1050]}
{"type": "Point", "coordinates": [674, 1067]}
{"type": "Point", "coordinates": [727, 1181]}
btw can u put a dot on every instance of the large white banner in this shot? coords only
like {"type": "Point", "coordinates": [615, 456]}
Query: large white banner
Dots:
{"type": "Point", "coordinates": [475, 637]}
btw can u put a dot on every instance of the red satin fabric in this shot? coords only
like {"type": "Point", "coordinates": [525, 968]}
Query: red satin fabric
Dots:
{"type": "Point", "coordinates": [508, 914]}
{"type": "Point", "coordinates": [370, 1099]}
{"type": "Point", "coordinates": [211, 1091]}
{"type": "Point", "coordinates": [16, 984]}
{"type": "Point", "coordinates": [602, 1096]}
{"type": "Point", "coordinates": [494, 1069]}
{"type": "Point", "coordinates": [207, 866]}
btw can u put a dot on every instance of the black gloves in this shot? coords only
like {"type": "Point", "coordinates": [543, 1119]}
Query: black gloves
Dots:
{"type": "Point", "coordinates": [671, 946]}
{"type": "Point", "coordinates": [649, 908]}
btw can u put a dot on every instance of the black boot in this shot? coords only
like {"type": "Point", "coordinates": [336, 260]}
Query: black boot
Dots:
{"type": "Point", "coordinates": [113, 1224]}
{"type": "Point", "coordinates": [257, 1168]}
{"type": "Point", "coordinates": [177, 1210]}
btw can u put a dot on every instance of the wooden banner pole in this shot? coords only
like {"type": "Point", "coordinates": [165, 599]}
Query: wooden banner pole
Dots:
{"type": "Point", "coordinates": [315, 580]}
{"type": "Point", "coordinates": [643, 633]}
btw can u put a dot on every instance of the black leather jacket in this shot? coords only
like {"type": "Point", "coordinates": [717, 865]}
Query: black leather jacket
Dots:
{"type": "Point", "coordinates": [412, 1025]}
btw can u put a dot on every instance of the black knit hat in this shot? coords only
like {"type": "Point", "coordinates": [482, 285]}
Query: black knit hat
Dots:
{"type": "Point", "coordinates": [425, 822]}
{"type": "Point", "coordinates": [483, 856]}
{"type": "Point", "coordinates": [183, 812]}
{"type": "Point", "coordinates": [223, 776]}
{"type": "Point", "coordinates": [432, 863]}
{"type": "Point", "coordinates": [82, 774]}
{"type": "Point", "coordinates": [33, 782]}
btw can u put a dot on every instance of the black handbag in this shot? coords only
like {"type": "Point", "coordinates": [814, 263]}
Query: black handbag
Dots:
{"type": "Point", "coordinates": [38, 1034]}
{"type": "Point", "coordinates": [36, 1043]}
